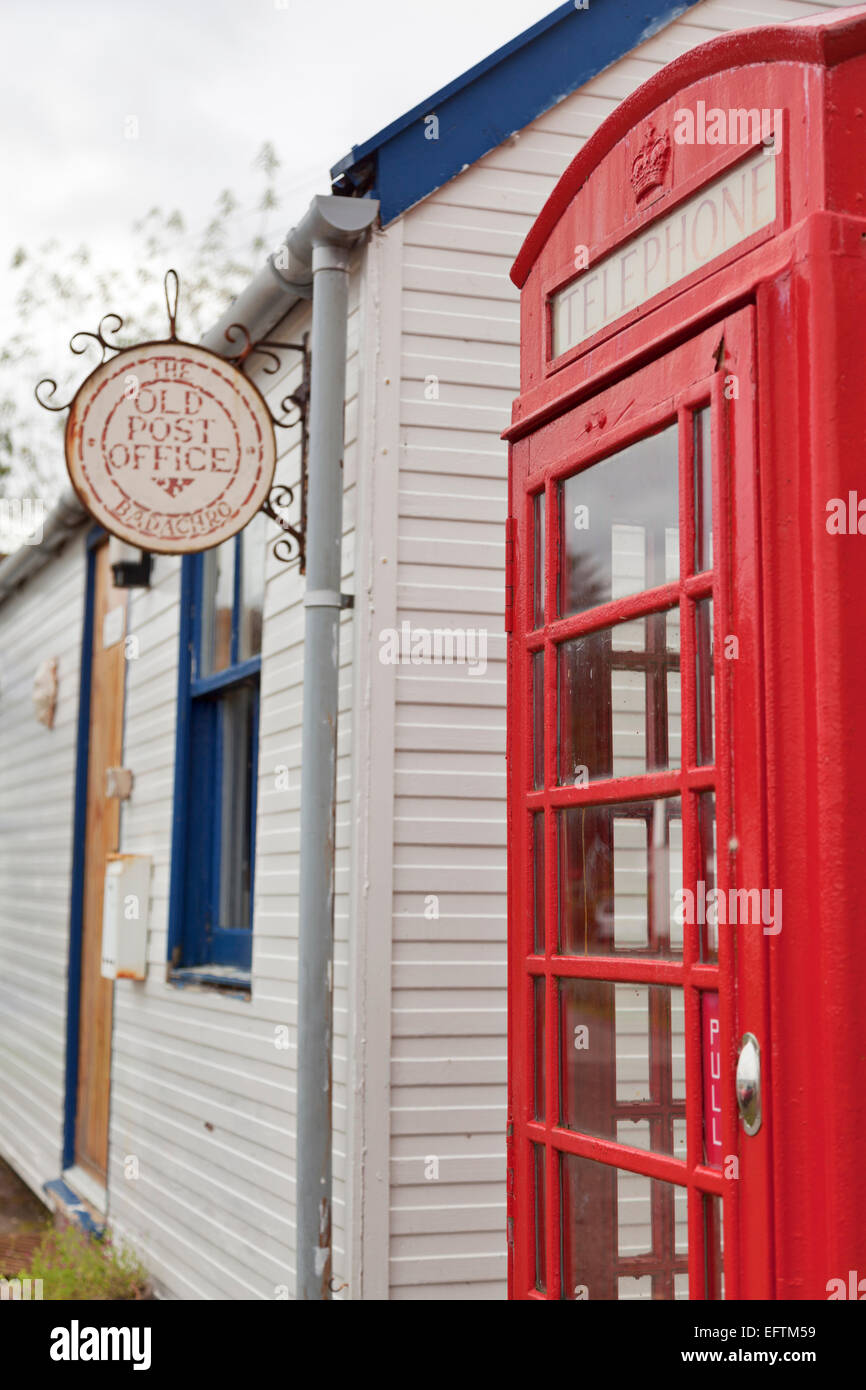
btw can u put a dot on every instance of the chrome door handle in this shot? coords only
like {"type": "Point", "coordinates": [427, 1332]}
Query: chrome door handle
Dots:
{"type": "Point", "coordinates": [749, 1083]}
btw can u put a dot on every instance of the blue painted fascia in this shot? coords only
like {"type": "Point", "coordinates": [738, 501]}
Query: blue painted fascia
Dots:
{"type": "Point", "coordinates": [498, 96]}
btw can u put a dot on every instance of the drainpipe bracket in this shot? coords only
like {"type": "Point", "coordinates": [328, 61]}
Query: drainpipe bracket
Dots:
{"type": "Point", "coordinates": [330, 256]}
{"type": "Point", "coordinates": [328, 598]}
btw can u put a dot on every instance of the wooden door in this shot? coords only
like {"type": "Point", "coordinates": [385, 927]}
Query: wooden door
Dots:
{"type": "Point", "coordinates": [102, 836]}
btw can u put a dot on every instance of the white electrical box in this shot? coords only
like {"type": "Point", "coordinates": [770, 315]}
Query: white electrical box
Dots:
{"type": "Point", "coordinates": [125, 913]}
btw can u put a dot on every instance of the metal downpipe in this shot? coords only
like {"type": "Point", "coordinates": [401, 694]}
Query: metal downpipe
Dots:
{"type": "Point", "coordinates": [319, 769]}
{"type": "Point", "coordinates": [314, 262]}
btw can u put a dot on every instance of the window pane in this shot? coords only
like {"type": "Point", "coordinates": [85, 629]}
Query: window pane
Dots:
{"type": "Point", "coordinates": [253, 544]}
{"type": "Point", "coordinates": [715, 1247]}
{"type": "Point", "coordinates": [618, 693]}
{"type": "Point", "coordinates": [218, 588]}
{"type": "Point", "coordinates": [620, 868]}
{"type": "Point", "coordinates": [540, 1213]}
{"type": "Point", "coordinates": [703, 474]}
{"type": "Point", "coordinates": [538, 987]}
{"type": "Point", "coordinates": [622, 1052]}
{"type": "Point", "coordinates": [538, 720]}
{"type": "Point", "coordinates": [620, 524]}
{"type": "Point", "coordinates": [705, 680]}
{"type": "Point", "coordinates": [538, 943]}
{"type": "Point", "coordinates": [538, 581]}
{"type": "Point", "coordinates": [234, 777]}
{"type": "Point", "coordinates": [709, 931]}
{"type": "Point", "coordinates": [624, 1236]}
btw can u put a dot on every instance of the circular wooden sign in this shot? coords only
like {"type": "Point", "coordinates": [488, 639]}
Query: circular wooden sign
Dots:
{"type": "Point", "coordinates": [170, 447]}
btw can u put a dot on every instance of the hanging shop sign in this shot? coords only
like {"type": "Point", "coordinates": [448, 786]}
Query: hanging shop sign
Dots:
{"type": "Point", "coordinates": [171, 447]}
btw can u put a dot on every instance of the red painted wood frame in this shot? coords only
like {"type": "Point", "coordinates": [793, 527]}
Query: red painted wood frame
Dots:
{"type": "Point", "coordinates": [715, 369]}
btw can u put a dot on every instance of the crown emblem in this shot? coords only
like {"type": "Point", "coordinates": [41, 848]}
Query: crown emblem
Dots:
{"type": "Point", "coordinates": [649, 164]}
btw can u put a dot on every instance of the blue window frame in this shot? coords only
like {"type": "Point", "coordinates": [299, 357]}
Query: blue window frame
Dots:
{"type": "Point", "coordinates": [216, 771]}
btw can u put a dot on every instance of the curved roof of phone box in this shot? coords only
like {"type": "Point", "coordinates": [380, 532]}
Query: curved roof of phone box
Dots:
{"type": "Point", "coordinates": [820, 40]}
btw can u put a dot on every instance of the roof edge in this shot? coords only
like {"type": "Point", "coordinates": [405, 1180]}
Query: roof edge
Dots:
{"type": "Point", "coordinates": [465, 79]}
{"type": "Point", "coordinates": [65, 519]}
{"type": "Point", "coordinates": [502, 94]}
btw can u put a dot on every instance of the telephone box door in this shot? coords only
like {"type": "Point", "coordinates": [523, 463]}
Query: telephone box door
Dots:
{"type": "Point", "coordinates": [639, 928]}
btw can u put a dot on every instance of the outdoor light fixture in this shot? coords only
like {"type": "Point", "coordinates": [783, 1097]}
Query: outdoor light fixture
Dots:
{"type": "Point", "coordinates": [130, 566]}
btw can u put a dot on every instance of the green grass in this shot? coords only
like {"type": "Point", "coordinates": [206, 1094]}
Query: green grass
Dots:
{"type": "Point", "coordinates": [73, 1266]}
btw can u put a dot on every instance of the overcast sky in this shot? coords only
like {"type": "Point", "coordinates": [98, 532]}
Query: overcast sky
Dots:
{"type": "Point", "coordinates": [111, 107]}
{"type": "Point", "coordinates": [204, 83]}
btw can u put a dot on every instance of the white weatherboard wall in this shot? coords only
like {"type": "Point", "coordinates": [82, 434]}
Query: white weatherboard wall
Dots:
{"type": "Point", "coordinates": [203, 1098]}
{"type": "Point", "coordinates": [203, 1103]}
{"type": "Point", "coordinates": [460, 324]}
{"type": "Point", "coordinates": [37, 790]}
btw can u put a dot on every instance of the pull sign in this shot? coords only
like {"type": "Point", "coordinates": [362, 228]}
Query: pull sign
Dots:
{"type": "Point", "coordinates": [712, 1055]}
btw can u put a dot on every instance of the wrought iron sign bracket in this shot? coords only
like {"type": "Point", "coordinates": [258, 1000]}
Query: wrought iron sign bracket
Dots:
{"type": "Point", "coordinates": [293, 412]}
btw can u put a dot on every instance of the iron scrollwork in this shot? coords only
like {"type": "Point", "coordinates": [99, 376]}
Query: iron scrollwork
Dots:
{"type": "Point", "coordinates": [78, 344]}
{"type": "Point", "coordinates": [292, 411]}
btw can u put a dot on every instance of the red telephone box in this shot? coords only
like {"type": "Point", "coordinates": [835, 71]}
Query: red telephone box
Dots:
{"type": "Point", "coordinates": [687, 732]}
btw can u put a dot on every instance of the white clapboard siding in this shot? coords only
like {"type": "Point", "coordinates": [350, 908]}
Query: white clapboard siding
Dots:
{"type": "Point", "coordinates": [43, 619]}
{"type": "Point", "coordinates": [459, 349]}
{"type": "Point", "coordinates": [203, 1095]}
{"type": "Point", "coordinates": [202, 1140]}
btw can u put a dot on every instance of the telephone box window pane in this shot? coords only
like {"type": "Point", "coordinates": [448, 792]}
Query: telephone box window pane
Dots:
{"type": "Point", "coordinates": [703, 474]}
{"type": "Point", "coordinates": [620, 868]}
{"type": "Point", "coordinates": [709, 931]}
{"type": "Point", "coordinates": [633, 1289]}
{"type": "Point", "coordinates": [618, 693]}
{"type": "Point", "coordinates": [622, 1049]}
{"type": "Point", "coordinates": [538, 720]}
{"type": "Point", "coordinates": [538, 581]}
{"type": "Point", "coordinates": [540, 1214]}
{"type": "Point", "coordinates": [538, 945]}
{"type": "Point", "coordinates": [620, 525]}
{"type": "Point", "coordinates": [538, 987]}
{"type": "Point", "coordinates": [705, 684]}
{"type": "Point", "coordinates": [672, 630]}
{"type": "Point", "coordinates": [715, 1247]}
{"type": "Point", "coordinates": [624, 1235]}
